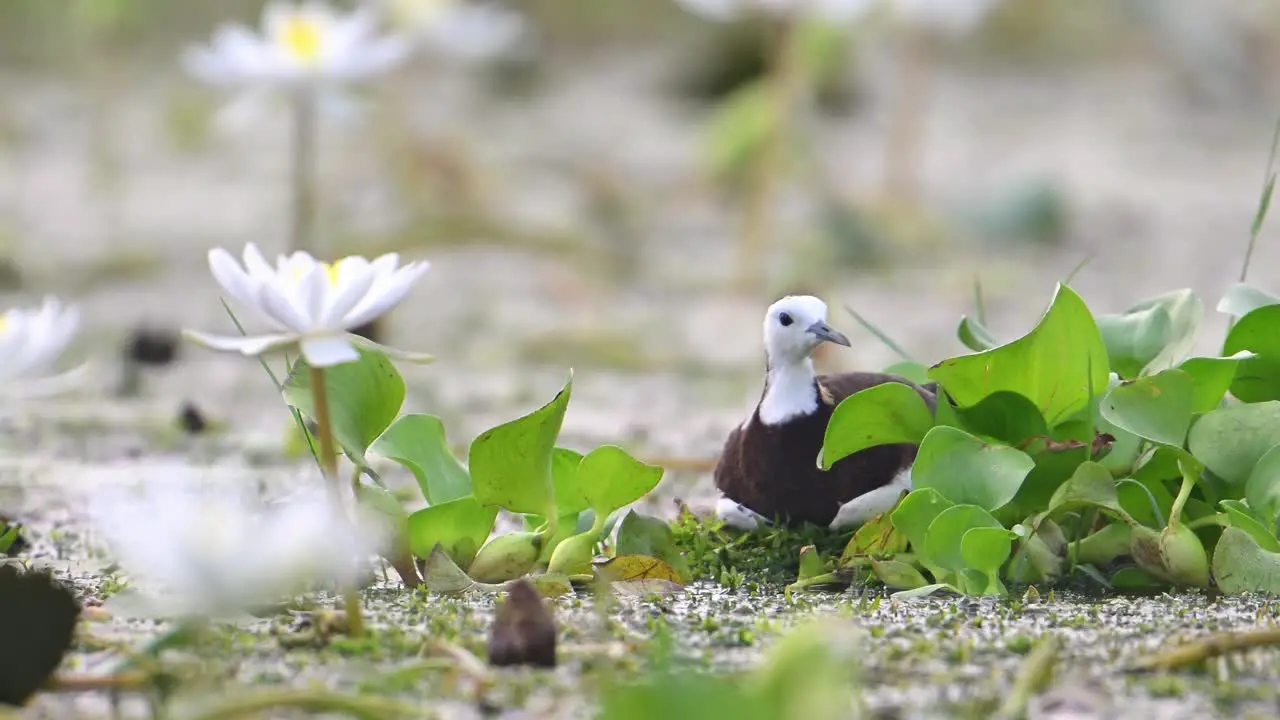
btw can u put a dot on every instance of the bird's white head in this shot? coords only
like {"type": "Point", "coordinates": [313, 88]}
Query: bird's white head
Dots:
{"type": "Point", "coordinates": [794, 326]}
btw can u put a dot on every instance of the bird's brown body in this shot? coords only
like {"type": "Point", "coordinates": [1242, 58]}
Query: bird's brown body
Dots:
{"type": "Point", "coordinates": [773, 470]}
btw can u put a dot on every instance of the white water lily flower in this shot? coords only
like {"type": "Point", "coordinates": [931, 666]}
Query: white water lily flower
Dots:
{"type": "Point", "coordinates": [298, 44]}
{"type": "Point", "coordinates": [836, 11]}
{"type": "Point", "coordinates": [32, 340]}
{"type": "Point", "coordinates": [310, 304]}
{"type": "Point", "coordinates": [215, 549]}
{"type": "Point", "coordinates": [460, 28]}
{"type": "Point", "coordinates": [956, 17]}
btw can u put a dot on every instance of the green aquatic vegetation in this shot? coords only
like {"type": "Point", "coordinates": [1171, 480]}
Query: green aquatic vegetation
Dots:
{"type": "Point", "coordinates": [515, 466]}
{"type": "Point", "coordinates": [1089, 442]}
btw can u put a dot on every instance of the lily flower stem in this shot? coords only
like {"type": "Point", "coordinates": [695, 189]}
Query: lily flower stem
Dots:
{"type": "Point", "coordinates": [785, 81]}
{"type": "Point", "coordinates": [303, 180]}
{"type": "Point", "coordinates": [329, 461]}
{"type": "Point", "coordinates": [909, 114]}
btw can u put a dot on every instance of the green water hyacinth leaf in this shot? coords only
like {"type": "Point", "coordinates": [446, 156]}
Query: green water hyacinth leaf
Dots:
{"type": "Point", "coordinates": [898, 575]}
{"type": "Point", "coordinates": [364, 398]}
{"type": "Point", "coordinates": [1262, 489]}
{"type": "Point", "coordinates": [418, 443]}
{"type": "Point", "coordinates": [564, 477]}
{"type": "Point", "coordinates": [609, 479]}
{"type": "Point", "coordinates": [573, 556]}
{"type": "Point", "coordinates": [877, 538]}
{"type": "Point", "coordinates": [915, 513]}
{"type": "Point", "coordinates": [967, 471]}
{"type": "Point", "coordinates": [885, 414]}
{"type": "Point", "coordinates": [511, 463]}
{"type": "Point", "coordinates": [1213, 377]}
{"type": "Point", "coordinates": [1258, 378]}
{"type": "Point", "coordinates": [1174, 553]}
{"type": "Point", "coordinates": [973, 335]}
{"type": "Point", "coordinates": [1090, 486]}
{"type": "Point", "coordinates": [1136, 579]}
{"type": "Point", "coordinates": [985, 549]}
{"type": "Point", "coordinates": [1230, 441]}
{"type": "Point", "coordinates": [1152, 335]}
{"type": "Point", "coordinates": [1156, 407]}
{"type": "Point", "coordinates": [1242, 516]}
{"type": "Point", "coordinates": [1005, 416]}
{"type": "Point", "coordinates": [459, 526]}
{"type": "Point", "coordinates": [1240, 565]}
{"type": "Point", "coordinates": [649, 536]}
{"type": "Point", "coordinates": [944, 539]}
{"type": "Point", "coordinates": [915, 372]}
{"type": "Point", "coordinates": [1050, 365]}
{"type": "Point", "coordinates": [1242, 299]}
{"type": "Point", "coordinates": [566, 527]}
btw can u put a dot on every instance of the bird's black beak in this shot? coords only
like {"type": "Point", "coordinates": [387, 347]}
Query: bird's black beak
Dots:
{"type": "Point", "coordinates": [829, 334]}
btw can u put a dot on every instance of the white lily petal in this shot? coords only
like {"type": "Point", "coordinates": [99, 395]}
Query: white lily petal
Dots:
{"type": "Point", "coordinates": [313, 294]}
{"type": "Point", "coordinates": [276, 304]}
{"type": "Point", "coordinates": [385, 295]}
{"type": "Point", "coordinates": [330, 350]}
{"type": "Point", "coordinates": [37, 388]}
{"type": "Point", "coordinates": [410, 356]}
{"type": "Point", "coordinates": [355, 278]}
{"type": "Point", "coordinates": [256, 265]}
{"type": "Point", "coordinates": [233, 279]}
{"type": "Point", "coordinates": [250, 345]}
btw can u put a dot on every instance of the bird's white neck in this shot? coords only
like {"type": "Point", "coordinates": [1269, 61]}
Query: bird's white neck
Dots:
{"type": "Point", "coordinates": [789, 392]}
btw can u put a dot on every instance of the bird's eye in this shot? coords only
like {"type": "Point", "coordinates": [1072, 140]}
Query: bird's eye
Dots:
{"type": "Point", "coordinates": [785, 319]}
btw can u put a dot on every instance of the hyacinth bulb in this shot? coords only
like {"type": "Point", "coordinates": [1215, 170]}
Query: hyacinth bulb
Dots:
{"type": "Point", "coordinates": [1174, 554]}
{"type": "Point", "coordinates": [506, 557]}
{"type": "Point", "coordinates": [573, 556]}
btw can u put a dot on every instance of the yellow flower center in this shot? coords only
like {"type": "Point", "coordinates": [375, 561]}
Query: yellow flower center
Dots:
{"type": "Point", "coordinates": [303, 38]}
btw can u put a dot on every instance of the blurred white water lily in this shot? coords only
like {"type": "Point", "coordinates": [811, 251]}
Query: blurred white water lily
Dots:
{"type": "Point", "coordinates": [830, 10]}
{"type": "Point", "coordinates": [215, 549]}
{"type": "Point", "coordinates": [464, 29]}
{"type": "Point", "coordinates": [305, 50]}
{"type": "Point", "coordinates": [303, 43]}
{"type": "Point", "coordinates": [32, 340]}
{"type": "Point", "coordinates": [955, 17]}
{"type": "Point", "coordinates": [310, 304]}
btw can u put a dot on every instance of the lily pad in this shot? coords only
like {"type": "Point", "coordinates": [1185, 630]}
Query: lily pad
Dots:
{"type": "Point", "coordinates": [1231, 440]}
{"type": "Point", "coordinates": [885, 414]}
{"type": "Point", "coordinates": [364, 398]}
{"type": "Point", "coordinates": [1241, 566]}
{"type": "Point", "coordinates": [418, 443]}
{"type": "Point", "coordinates": [1054, 365]}
{"type": "Point", "coordinates": [459, 526]}
{"type": "Point", "coordinates": [1155, 407]}
{"type": "Point", "coordinates": [511, 463]}
{"type": "Point", "coordinates": [965, 470]}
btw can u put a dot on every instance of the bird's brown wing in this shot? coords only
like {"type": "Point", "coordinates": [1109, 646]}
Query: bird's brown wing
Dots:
{"type": "Point", "coordinates": [835, 388]}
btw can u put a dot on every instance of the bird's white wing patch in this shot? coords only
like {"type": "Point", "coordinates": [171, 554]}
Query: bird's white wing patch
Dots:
{"type": "Point", "coordinates": [738, 516]}
{"type": "Point", "coordinates": [861, 509]}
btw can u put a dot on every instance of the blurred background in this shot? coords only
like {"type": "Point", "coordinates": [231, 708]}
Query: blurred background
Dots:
{"type": "Point", "coordinates": [603, 193]}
